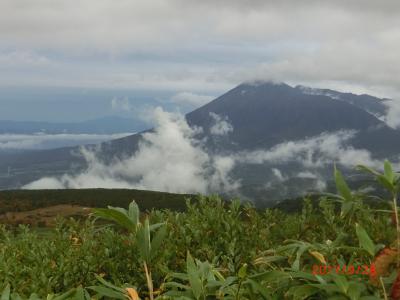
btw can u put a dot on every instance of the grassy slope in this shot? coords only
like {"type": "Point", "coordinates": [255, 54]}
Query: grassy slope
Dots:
{"type": "Point", "coordinates": [24, 200]}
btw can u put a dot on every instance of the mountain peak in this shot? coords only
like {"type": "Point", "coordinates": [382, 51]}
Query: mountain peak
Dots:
{"type": "Point", "coordinates": [264, 83]}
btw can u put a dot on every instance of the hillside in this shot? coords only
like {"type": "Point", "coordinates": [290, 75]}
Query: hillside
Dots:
{"type": "Point", "coordinates": [25, 200]}
{"type": "Point", "coordinates": [212, 249]}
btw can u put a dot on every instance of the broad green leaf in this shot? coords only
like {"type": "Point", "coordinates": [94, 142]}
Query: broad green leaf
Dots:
{"type": "Point", "coordinates": [242, 271]}
{"type": "Point", "coordinates": [156, 226]}
{"type": "Point", "coordinates": [194, 278]}
{"type": "Point", "coordinates": [385, 183]}
{"type": "Point", "coordinates": [108, 284]}
{"type": "Point", "coordinates": [157, 240]}
{"type": "Point", "coordinates": [387, 179]}
{"type": "Point", "coordinates": [34, 296]}
{"type": "Point", "coordinates": [328, 287]}
{"type": "Point", "coordinates": [107, 292]}
{"type": "Point", "coordinates": [269, 259]}
{"type": "Point", "coordinates": [342, 186]}
{"type": "Point", "coordinates": [5, 295]}
{"type": "Point", "coordinates": [355, 290]}
{"type": "Point", "coordinates": [318, 256]}
{"type": "Point", "coordinates": [368, 170]}
{"type": "Point", "coordinates": [117, 216]}
{"type": "Point", "coordinates": [307, 276]}
{"type": "Point", "coordinates": [134, 212]}
{"type": "Point", "coordinates": [143, 240]}
{"type": "Point", "coordinates": [180, 276]}
{"type": "Point", "coordinates": [15, 296]}
{"type": "Point", "coordinates": [389, 171]}
{"type": "Point", "coordinates": [299, 253]}
{"type": "Point", "coordinates": [342, 283]}
{"type": "Point", "coordinates": [67, 295]}
{"type": "Point", "coordinates": [346, 208]}
{"type": "Point", "coordinates": [258, 288]}
{"type": "Point", "coordinates": [302, 291]}
{"type": "Point", "coordinates": [365, 241]}
{"type": "Point", "coordinates": [177, 295]}
{"type": "Point", "coordinates": [176, 285]}
{"type": "Point", "coordinates": [271, 276]}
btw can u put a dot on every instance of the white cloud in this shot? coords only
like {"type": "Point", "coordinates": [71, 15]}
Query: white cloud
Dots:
{"type": "Point", "coordinates": [221, 125]}
{"type": "Point", "coordinates": [23, 58]}
{"type": "Point", "coordinates": [48, 141]}
{"type": "Point", "coordinates": [191, 99]}
{"type": "Point", "coordinates": [121, 104]}
{"type": "Point", "coordinates": [278, 174]}
{"type": "Point", "coordinates": [221, 179]}
{"type": "Point", "coordinates": [46, 183]}
{"type": "Point", "coordinates": [199, 45]}
{"type": "Point", "coordinates": [306, 174]}
{"type": "Point", "coordinates": [168, 159]}
{"type": "Point", "coordinates": [392, 117]}
{"type": "Point", "coordinates": [314, 152]}
{"type": "Point", "coordinates": [319, 183]}
{"type": "Point", "coordinates": [150, 24]}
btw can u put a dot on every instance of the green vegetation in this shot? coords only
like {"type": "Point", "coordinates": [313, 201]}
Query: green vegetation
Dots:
{"type": "Point", "coordinates": [24, 200]}
{"type": "Point", "coordinates": [214, 251]}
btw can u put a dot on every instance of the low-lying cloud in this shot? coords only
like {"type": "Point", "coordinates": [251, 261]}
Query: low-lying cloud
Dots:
{"type": "Point", "coordinates": [393, 114]}
{"type": "Point", "coordinates": [221, 125]}
{"type": "Point", "coordinates": [168, 159]}
{"type": "Point", "coordinates": [314, 152]}
{"type": "Point", "coordinates": [49, 141]}
{"type": "Point", "coordinates": [121, 104]}
{"type": "Point", "coordinates": [189, 98]}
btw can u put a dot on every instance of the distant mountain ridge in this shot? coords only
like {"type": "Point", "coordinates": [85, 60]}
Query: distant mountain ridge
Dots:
{"type": "Point", "coordinates": [376, 106]}
{"type": "Point", "coordinates": [267, 114]}
{"type": "Point", "coordinates": [104, 125]}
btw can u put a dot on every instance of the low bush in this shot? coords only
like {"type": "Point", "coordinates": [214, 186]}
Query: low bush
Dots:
{"type": "Point", "coordinates": [336, 248]}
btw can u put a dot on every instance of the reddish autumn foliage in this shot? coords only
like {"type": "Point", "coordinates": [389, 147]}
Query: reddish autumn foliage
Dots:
{"type": "Point", "coordinates": [395, 293]}
{"type": "Point", "coordinates": [382, 263]}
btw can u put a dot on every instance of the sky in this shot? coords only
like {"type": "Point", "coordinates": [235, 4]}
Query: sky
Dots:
{"type": "Point", "coordinates": [68, 60]}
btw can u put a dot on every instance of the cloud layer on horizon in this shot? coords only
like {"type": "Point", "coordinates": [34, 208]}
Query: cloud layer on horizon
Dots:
{"type": "Point", "coordinates": [41, 141]}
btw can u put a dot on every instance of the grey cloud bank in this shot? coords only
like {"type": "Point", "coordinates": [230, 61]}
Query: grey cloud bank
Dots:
{"type": "Point", "coordinates": [199, 46]}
